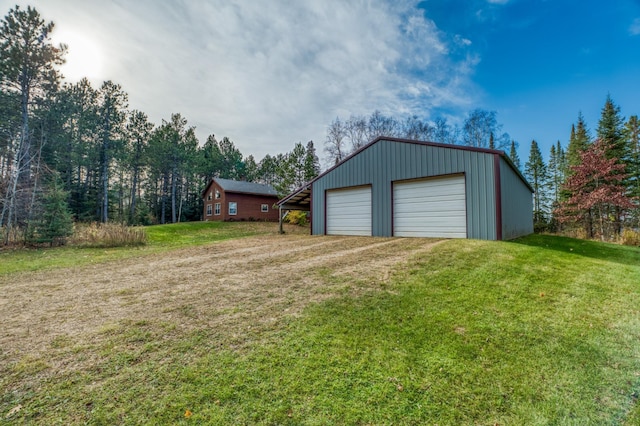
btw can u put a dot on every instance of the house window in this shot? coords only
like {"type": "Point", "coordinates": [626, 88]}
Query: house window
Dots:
{"type": "Point", "coordinates": [264, 208]}
{"type": "Point", "coordinates": [217, 194]}
{"type": "Point", "coordinates": [216, 211]}
{"type": "Point", "coordinates": [209, 197]}
{"type": "Point", "coordinates": [233, 208]}
{"type": "Point", "coordinates": [208, 209]}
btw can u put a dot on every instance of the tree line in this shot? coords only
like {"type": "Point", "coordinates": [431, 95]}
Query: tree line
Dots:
{"type": "Point", "coordinates": [593, 185]}
{"type": "Point", "coordinates": [74, 152]}
{"type": "Point", "coordinates": [79, 151]}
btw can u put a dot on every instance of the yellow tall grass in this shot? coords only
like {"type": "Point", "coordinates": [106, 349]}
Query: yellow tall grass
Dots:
{"type": "Point", "coordinates": [108, 235]}
{"type": "Point", "coordinates": [630, 237]}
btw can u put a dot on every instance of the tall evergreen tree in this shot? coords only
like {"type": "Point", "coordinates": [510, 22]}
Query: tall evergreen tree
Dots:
{"type": "Point", "coordinates": [536, 173]}
{"type": "Point", "coordinates": [28, 61]}
{"type": "Point", "coordinates": [611, 131]}
{"type": "Point", "coordinates": [250, 169]}
{"type": "Point", "coordinates": [311, 162]}
{"type": "Point", "coordinates": [138, 134]}
{"type": "Point", "coordinates": [81, 148]}
{"type": "Point", "coordinates": [231, 159]}
{"type": "Point", "coordinates": [578, 142]}
{"type": "Point", "coordinates": [557, 171]}
{"type": "Point", "coordinates": [267, 170]}
{"type": "Point", "coordinates": [513, 155]}
{"type": "Point", "coordinates": [211, 159]}
{"type": "Point", "coordinates": [611, 134]}
{"type": "Point", "coordinates": [112, 106]}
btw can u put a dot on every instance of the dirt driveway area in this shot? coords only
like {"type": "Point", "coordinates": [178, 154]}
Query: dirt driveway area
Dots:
{"type": "Point", "coordinates": [232, 286]}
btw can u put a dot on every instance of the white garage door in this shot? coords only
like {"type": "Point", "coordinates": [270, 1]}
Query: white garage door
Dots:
{"type": "Point", "coordinates": [349, 211]}
{"type": "Point", "coordinates": [432, 207]}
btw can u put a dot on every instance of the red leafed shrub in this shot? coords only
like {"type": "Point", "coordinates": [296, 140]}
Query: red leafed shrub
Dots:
{"type": "Point", "coordinates": [598, 197]}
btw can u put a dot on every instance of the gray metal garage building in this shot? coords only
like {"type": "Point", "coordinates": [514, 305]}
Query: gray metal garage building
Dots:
{"type": "Point", "coordinates": [398, 187]}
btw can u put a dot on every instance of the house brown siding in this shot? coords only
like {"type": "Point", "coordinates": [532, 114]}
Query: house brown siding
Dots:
{"type": "Point", "coordinates": [248, 206]}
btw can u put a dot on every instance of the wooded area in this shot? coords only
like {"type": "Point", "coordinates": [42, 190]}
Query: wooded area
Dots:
{"type": "Point", "coordinates": [78, 151]}
{"type": "Point", "coordinates": [592, 187]}
{"type": "Point", "coordinates": [72, 152]}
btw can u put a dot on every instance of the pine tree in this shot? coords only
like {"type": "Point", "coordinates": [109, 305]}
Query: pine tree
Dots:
{"type": "Point", "coordinates": [556, 170]}
{"type": "Point", "coordinates": [578, 142]}
{"type": "Point", "coordinates": [611, 131]}
{"type": "Point", "coordinates": [111, 109]}
{"type": "Point", "coordinates": [611, 134]}
{"type": "Point", "coordinates": [210, 159]}
{"type": "Point", "coordinates": [138, 134]}
{"type": "Point", "coordinates": [513, 155]}
{"type": "Point", "coordinates": [311, 163]}
{"type": "Point", "coordinates": [250, 169]}
{"type": "Point", "coordinates": [27, 69]}
{"type": "Point", "coordinates": [536, 173]}
{"type": "Point", "coordinates": [54, 223]}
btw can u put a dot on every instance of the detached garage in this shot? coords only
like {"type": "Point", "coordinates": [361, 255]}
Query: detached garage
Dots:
{"type": "Point", "coordinates": [406, 188]}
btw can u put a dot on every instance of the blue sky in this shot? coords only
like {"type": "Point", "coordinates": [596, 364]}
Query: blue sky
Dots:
{"type": "Point", "coordinates": [270, 74]}
{"type": "Point", "coordinates": [543, 62]}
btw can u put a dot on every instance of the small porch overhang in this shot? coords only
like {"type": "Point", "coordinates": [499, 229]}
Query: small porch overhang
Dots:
{"type": "Point", "coordinates": [300, 199]}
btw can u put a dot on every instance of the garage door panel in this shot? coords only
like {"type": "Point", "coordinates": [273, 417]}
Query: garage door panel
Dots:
{"type": "Point", "coordinates": [349, 211]}
{"type": "Point", "coordinates": [433, 207]}
{"type": "Point", "coordinates": [440, 217]}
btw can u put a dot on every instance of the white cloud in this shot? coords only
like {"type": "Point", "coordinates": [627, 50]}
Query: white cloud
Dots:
{"type": "Point", "coordinates": [634, 29]}
{"type": "Point", "coordinates": [269, 74]}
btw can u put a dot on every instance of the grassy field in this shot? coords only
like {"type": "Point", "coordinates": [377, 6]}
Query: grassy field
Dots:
{"type": "Point", "coordinates": [161, 238]}
{"type": "Point", "coordinates": [541, 330]}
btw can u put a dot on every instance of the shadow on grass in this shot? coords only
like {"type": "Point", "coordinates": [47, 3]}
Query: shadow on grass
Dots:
{"type": "Point", "coordinates": [625, 255]}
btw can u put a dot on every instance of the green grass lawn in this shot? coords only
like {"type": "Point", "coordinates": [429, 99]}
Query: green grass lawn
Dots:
{"type": "Point", "coordinates": [541, 330]}
{"type": "Point", "coordinates": [160, 238]}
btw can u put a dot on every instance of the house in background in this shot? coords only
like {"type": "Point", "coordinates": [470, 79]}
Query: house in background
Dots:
{"type": "Point", "coordinates": [231, 200]}
{"type": "Point", "coordinates": [407, 188]}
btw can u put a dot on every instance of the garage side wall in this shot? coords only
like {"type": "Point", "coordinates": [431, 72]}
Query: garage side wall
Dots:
{"type": "Point", "coordinates": [517, 204]}
{"type": "Point", "coordinates": [385, 162]}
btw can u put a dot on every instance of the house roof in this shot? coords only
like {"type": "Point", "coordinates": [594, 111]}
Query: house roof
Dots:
{"type": "Point", "coordinates": [243, 187]}
{"type": "Point", "coordinates": [301, 197]}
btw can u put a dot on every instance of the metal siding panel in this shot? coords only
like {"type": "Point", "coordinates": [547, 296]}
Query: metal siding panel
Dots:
{"type": "Point", "coordinates": [471, 169]}
{"type": "Point", "coordinates": [475, 166]}
{"type": "Point", "coordinates": [424, 162]}
{"type": "Point", "coordinates": [317, 208]}
{"type": "Point", "coordinates": [479, 188]}
{"type": "Point", "coordinates": [517, 204]}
